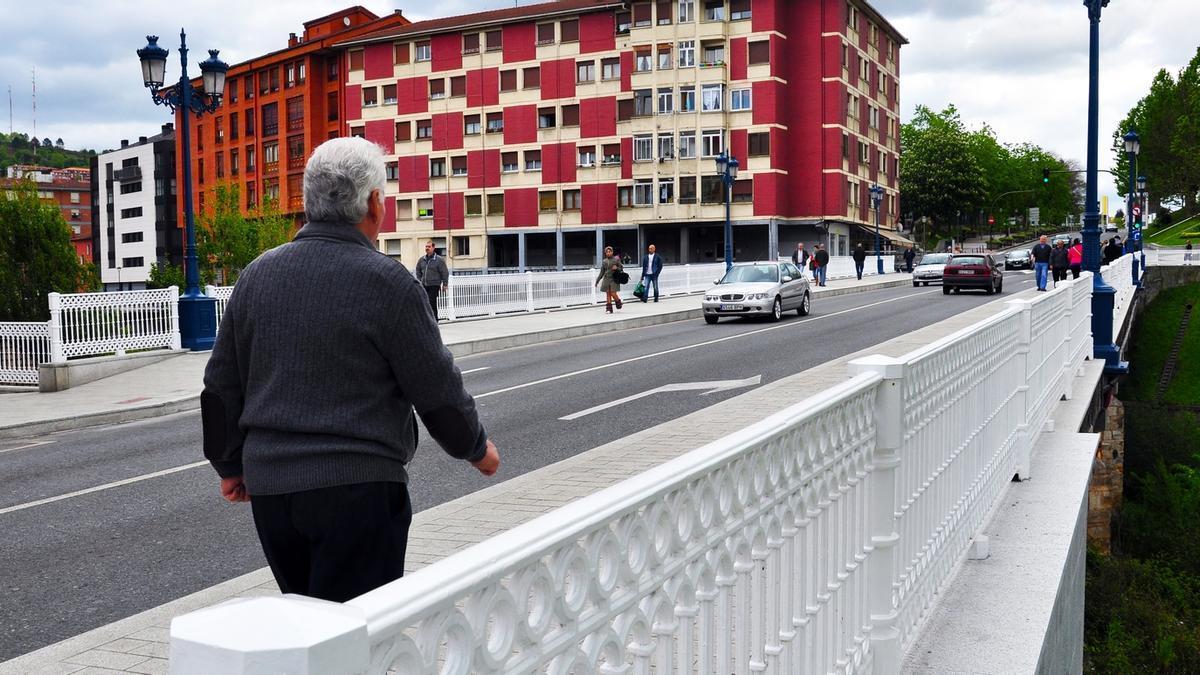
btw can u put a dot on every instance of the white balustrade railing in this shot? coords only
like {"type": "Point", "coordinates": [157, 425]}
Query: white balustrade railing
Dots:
{"type": "Point", "coordinates": [1172, 257]}
{"type": "Point", "coordinates": [221, 295]}
{"type": "Point", "coordinates": [91, 324]}
{"type": "Point", "coordinates": [24, 345]}
{"type": "Point", "coordinates": [814, 541]}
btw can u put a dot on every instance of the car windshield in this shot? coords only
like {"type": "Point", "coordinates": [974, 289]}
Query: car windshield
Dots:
{"type": "Point", "coordinates": [1019, 253]}
{"type": "Point", "coordinates": [967, 260]}
{"type": "Point", "coordinates": [744, 274]}
{"type": "Point", "coordinates": [934, 259]}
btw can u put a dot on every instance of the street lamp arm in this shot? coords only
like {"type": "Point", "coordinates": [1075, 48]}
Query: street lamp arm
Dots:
{"type": "Point", "coordinates": [172, 98]}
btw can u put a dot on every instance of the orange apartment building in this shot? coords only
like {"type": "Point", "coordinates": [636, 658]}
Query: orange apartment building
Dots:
{"type": "Point", "coordinates": [71, 190]}
{"type": "Point", "coordinates": [276, 109]}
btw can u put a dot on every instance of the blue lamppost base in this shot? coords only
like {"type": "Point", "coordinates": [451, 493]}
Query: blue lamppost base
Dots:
{"type": "Point", "coordinates": [197, 322]}
{"type": "Point", "coordinates": [878, 265]}
{"type": "Point", "coordinates": [1103, 300]}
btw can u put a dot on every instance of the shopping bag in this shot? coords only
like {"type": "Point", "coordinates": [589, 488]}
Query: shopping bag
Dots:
{"type": "Point", "coordinates": [639, 291]}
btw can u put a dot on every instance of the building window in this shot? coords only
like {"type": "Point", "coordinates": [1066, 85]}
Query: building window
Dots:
{"type": "Point", "coordinates": [389, 94]}
{"type": "Point", "coordinates": [687, 99]}
{"type": "Point", "coordinates": [250, 158]}
{"type": "Point", "coordinates": [624, 109]}
{"type": "Point", "coordinates": [473, 205]}
{"type": "Point", "coordinates": [739, 99]}
{"type": "Point", "coordinates": [370, 97]}
{"type": "Point", "coordinates": [642, 61]}
{"type": "Point", "coordinates": [714, 10]}
{"type": "Point", "coordinates": [508, 80]}
{"type": "Point", "coordinates": [664, 57]}
{"type": "Point", "coordinates": [610, 69]}
{"type": "Point", "coordinates": [425, 208]}
{"type": "Point", "coordinates": [759, 52]}
{"type": "Point", "coordinates": [739, 10]}
{"type": "Point", "coordinates": [666, 191]}
{"type": "Point", "coordinates": [458, 165]}
{"type": "Point", "coordinates": [743, 190]}
{"type": "Point", "coordinates": [759, 144]}
{"type": "Point", "coordinates": [270, 119]}
{"type": "Point", "coordinates": [569, 30]}
{"type": "Point", "coordinates": [392, 171]}
{"type": "Point", "coordinates": [714, 54]}
{"type": "Point", "coordinates": [666, 146]}
{"type": "Point", "coordinates": [882, 163]}
{"type": "Point", "coordinates": [687, 11]}
{"type": "Point", "coordinates": [687, 54]}
{"type": "Point", "coordinates": [687, 189]}
{"type": "Point", "coordinates": [495, 122]}
{"type": "Point", "coordinates": [545, 34]}
{"type": "Point", "coordinates": [687, 145]}
{"type": "Point", "coordinates": [611, 154]}
{"type": "Point", "coordinates": [462, 246]}
{"type": "Point", "coordinates": [845, 145]}
{"type": "Point", "coordinates": [458, 86]}
{"type": "Point", "coordinates": [711, 97]}
{"type": "Point", "coordinates": [437, 167]}
{"type": "Point", "coordinates": [570, 115]}
{"type": "Point", "coordinates": [295, 111]}
{"type": "Point", "coordinates": [532, 77]}
{"type": "Point", "coordinates": [643, 192]}
{"type": "Point", "coordinates": [234, 162]}
{"type": "Point", "coordinates": [251, 195]}
{"type": "Point", "coordinates": [642, 102]}
{"type": "Point", "coordinates": [289, 77]}
{"type": "Point", "coordinates": [712, 190]}
{"type": "Point", "coordinates": [533, 160]}
{"type": "Point", "coordinates": [249, 127]}
{"type": "Point", "coordinates": [548, 200]}
{"type": "Point", "coordinates": [126, 188]}
{"type": "Point", "coordinates": [494, 40]}
{"type": "Point", "coordinates": [199, 170]}
{"type": "Point", "coordinates": [587, 155]}
{"type": "Point", "coordinates": [403, 131]}
{"type": "Point", "coordinates": [712, 142]}
{"type": "Point", "coordinates": [585, 71]}
{"type": "Point", "coordinates": [235, 127]}
{"type": "Point", "coordinates": [666, 101]}
{"type": "Point", "coordinates": [624, 196]}
{"type": "Point", "coordinates": [643, 148]}
{"type": "Point", "coordinates": [400, 53]}
{"type": "Point", "coordinates": [356, 60]}
{"type": "Point", "coordinates": [231, 86]}
{"type": "Point", "coordinates": [424, 129]}
{"type": "Point", "coordinates": [295, 152]}
{"type": "Point", "coordinates": [547, 118]}
{"type": "Point", "coordinates": [437, 88]}
{"type": "Point", "coordinates": [220, 167]}
{"type": "Point", "coordinates": [471, 125]}
{"type": "Point", "coordinates": [131, 213]}
{"type": "Point", "coordinates": [863, 152]}
{"type": "Point", "coordinates": [470, 43]}
{"type": "Point", "coordinates": [508, 162]}
{"type": "Point", "coordinates": [642, 14]}
{"type": "Point", "coordinates": [624, 23]}
{"type": "Point", "coordinates": [270, 155]}
{"type": "Point", "coordinates": [495, 204]}
{"type": "Point", "coordinates": [571, 201]}
{"type": "Point", "coordinates": [882, 80]}
{"type": "Point", "coordinates": [663, 11]}
{"type": "Point", "coordinates": [133, 262]}
{"type": "Point", "coordinates": [274, 76]}
{"type": "Point", "coordinates": [248, 88]}
{"type": "Point", "coordinates": [131, 237]}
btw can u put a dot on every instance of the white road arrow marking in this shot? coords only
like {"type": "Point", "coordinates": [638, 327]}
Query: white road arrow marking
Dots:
{"type": "Point", "coordinates": [712, 387]}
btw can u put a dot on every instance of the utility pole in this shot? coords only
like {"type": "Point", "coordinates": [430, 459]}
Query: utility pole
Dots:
{"type": "Point", "coordinates": [35, 145]}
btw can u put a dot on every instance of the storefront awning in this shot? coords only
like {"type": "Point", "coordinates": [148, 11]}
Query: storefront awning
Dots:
{"type": "Point", "coordinates": [892, 236]}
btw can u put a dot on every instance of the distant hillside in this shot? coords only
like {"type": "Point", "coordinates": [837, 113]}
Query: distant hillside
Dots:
{"type": "Point", "coordinates": [17, 148]}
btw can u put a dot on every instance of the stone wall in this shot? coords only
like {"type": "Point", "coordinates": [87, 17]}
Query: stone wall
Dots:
{"type": "Point", "coordinates": [1108, 476]}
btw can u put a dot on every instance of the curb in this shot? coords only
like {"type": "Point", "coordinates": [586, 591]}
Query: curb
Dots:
{"type": "Point", "coordinates": [100, 418]}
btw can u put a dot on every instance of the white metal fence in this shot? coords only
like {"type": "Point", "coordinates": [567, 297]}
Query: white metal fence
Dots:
{"type": "Point", "coordinates": [221, 295]}
{"type": "Point", "coordinates": [1172, 256]}
{"type": "Point", "coordinates": [813, 541]}
{"type": "Point", "coordinates": [23, 347]}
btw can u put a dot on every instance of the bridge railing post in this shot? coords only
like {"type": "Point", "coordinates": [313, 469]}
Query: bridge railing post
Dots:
{"type": "Point", "coordinates": [1024, 400]}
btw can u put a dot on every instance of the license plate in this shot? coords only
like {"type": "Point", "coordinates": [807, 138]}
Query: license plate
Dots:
{"type": "Point", "coordinates": [732, 308]}
{"type": "Point", "coordinates": [966, 271]}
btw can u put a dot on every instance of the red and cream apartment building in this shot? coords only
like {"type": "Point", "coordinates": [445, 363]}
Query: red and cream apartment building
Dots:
{"type": "Point", "coordinates": [276, 109]}
{"type": "Point", "coordinates": [531, 137]}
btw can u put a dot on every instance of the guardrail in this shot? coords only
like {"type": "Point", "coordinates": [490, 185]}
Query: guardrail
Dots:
{"type": "Point", "coordinates": [90, 324]}
{"type": "Point", "coordinates": [221, 295]}
{"type": "Point", "coordinates": [816, 540]}
{"type": "Point", "coordinates": [24, 345]}
{"type": "Point", "coordinates": [1172, 256]}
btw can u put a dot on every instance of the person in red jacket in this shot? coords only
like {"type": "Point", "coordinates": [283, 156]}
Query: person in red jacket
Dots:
{"type": "Point", "coordinates": [1075, 258]}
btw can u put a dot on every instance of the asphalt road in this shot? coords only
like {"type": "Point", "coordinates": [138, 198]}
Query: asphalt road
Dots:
{"type": "Point", "coordinates": [102, 523]}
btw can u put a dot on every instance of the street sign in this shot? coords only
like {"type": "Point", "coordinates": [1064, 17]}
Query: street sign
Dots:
{"type": "Point", "coordinates": [1035, 215]}
{"type": "Point", "coordinates": [1136, 235]}
{"type": "Point", "coordinates": [991, 220]}
{"type": "Point", "coordinates": [1137, 211]}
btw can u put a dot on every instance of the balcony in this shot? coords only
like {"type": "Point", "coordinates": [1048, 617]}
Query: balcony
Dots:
{"type": "Point", "coordinates": [270, 168]}
{"type": "Point", "coordinates": [295, 163]}
{"type": "Point", "coordinates": [127, 173]}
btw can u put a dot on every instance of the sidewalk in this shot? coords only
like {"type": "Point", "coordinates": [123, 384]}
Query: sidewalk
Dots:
{"type": "Point", "coordinates": [174, 385]}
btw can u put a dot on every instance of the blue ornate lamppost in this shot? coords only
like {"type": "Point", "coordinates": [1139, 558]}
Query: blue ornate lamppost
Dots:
{"type": "Point", "coordinates": [1103, 295]}
{"type": "Point", "coordinates": [876, 199]}
{"type": "Point", "coordinates": [727, 169]}
{"type": "Point", "coordinates": [1141, 219]}
{"type": "Point", "coordinates": [1133, 146]}
{"type": "Point", "coordinates": [197, 312]}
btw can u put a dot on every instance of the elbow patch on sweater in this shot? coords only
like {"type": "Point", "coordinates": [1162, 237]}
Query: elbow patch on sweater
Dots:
{"type": "Point", "coordinates": [459, 435]}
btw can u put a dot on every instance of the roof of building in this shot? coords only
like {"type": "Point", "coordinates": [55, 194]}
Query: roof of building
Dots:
{"type": "Point", "coordinates": [878, 18]}
{"type": "Point", "coordinates": [489, 17]}
{"type": "Point", "coordinates": [340, 12]}
{"type": "Point", "coordinates": [316, 44]}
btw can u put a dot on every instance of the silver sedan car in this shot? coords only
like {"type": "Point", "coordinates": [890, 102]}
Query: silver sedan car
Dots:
{"type": "Point", "coordinates": [929, 269]}
{"type": "Point", "coordinates": [758, 289]}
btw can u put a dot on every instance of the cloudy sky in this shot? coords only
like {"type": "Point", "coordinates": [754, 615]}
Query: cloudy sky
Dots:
{"type": "Point", "coordinates": [1018, 65]}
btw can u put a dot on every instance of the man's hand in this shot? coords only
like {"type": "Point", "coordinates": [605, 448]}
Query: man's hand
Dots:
{"type": "Point", "coordinates": [234, 490]}
{"type": "Point", "coordinates": [490, 462]}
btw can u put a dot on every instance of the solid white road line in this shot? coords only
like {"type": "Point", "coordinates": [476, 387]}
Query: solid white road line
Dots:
{"type": "Point", "coordinates": [26, 446]}
{"type": "Point", "coordinates": [98, 488]}
{"type": "Point", "coordinates": [475, 370]}
{"type": "Point", "coordinates": [790, 324]}
{"type": "Point", "coordinates": [712, 387]}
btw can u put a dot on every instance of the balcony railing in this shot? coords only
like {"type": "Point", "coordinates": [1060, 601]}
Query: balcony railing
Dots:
{"type": "Point", "coordinates": [127, 173]}
{"type": "Point", "coordinates": [295, 163]}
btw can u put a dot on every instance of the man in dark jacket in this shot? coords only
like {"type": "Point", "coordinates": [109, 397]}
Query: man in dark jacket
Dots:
{"type": "Point", "coordinates": [1059, 261]}
{"type": "Point", "coordinates": [1113, 250]}
{"type": "Point", "coordinates": [909, 256]}
{"type": "Point", "coordinates": [1040, 255]}
{"type": "Point", "coordinates": [308, 405]}
{"type": "Point", "coordinates": [822, 268]}
{"type": "Point", "coordinates": [431, 271]}
{"type": "Point", "coordinates": [860, 259]}
{"type": "Point", "coordinates": [652, 266]}
{"type": "Point", "coordinates": [800, 256]}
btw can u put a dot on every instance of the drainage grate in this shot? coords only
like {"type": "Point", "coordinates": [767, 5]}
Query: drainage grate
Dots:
{"type": "Point", "coordinates": [1168, 371]}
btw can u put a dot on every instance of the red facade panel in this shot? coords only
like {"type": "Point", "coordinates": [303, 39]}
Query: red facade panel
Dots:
{"type": "Point", "coordinates": [448, 211]}
{"type": "Point", "coordinates": [520, 124]}
{"type": "Point", "coordinates": [558, 79]}
{"type": "Point", "coordinates": [766, 102]}
{"type": "Point", "coordinates": [738, 57]}
{"type": "Point", "coordinates": [412, 95]}
{"type": "Point", "coordinates": [483, 168]}
{"type": "Point", "coordinates": [353, 99]}
{"type": "Point", "coordinates": [739, 145]}
{"type": "Point", "coordinates": [763, 14]}
{"type": "Point", "coordinates": [520, 42]}
{"type": "Point", "coordinates": [483, 87]}
{"type": "Point", "coordinates": [389, 215]}
{"type": "Point", "coordinates": [521, 207]}
{"type": "Point", "coordinates": [598, 117]}
{"type": "Point", "coordinates": [833, 96]}
{"type": "Point", "coordinates": [831, 56]}
{"type": "Point", "coordinates": [626, 71]}
{"type": "Point", "coordinates": [779, 66]}
{"type": "Point", "coordinates": [413, 173]}
{"type": "Point", "coordinates": [448, 131]}
{"type": "Point", "coordinates": [377, 61]}
{"type": "Point", "coordinates": [597, 33]}
{"type": "Point", "coordinates": [833, 194]}
{"type": "Point", "coordinates": [767, 194]}
{"type": "Point", "coordinates": [832, 148]}
{"type": "Point", "coordinates": [598, 203]}
{"type": "Point", "coordinates": [383, 134]}
{"type": "Point", "coordinates": [558, 163]}
{"type": "Point", "coordinates": [627, 157]}
{"type": "Point", "coordinates": [446, 52]}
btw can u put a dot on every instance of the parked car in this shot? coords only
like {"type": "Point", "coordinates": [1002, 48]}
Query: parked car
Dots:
{"type": "Point", "coordinates": [1111, 227]}
{"type": "Point", "coordinates": [758, 289]}
{"type": "Point", "coordinates": [1064, 238]}
{"type": "Point", "coordinates": [973, 270]}
{"type": "Point", "coordinates": [1017, 259]}
{"type": "Point", "coordinates": [928, 269]}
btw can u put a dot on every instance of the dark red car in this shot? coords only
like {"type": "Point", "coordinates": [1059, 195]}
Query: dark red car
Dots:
{"type": "Point", "coordinates": [973, 270]}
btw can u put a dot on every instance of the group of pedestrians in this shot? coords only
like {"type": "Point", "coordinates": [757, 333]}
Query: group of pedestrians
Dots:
{"type": "Point", "coordinates": [612, 275]}
{"type": "Point", "coordinates": [1061, 259]}
{"type": "Point", "coordinates": [817, 262]}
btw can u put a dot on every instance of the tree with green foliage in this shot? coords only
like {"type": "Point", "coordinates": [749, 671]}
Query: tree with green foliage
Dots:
{"type": "Point", "coordinates": [36, 255]}
{"type": "Point", "coordinates": [165, 275]}
{"type": "Point", "coordinates": [940, 177]}
{"type": "Point", "coordinates": [227, 240]}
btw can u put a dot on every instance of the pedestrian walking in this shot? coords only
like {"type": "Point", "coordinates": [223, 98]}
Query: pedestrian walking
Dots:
{"type": "Point", "coordinates": [1187, 251]}
{"type": "Point", "coordinates": [1059, 261]}
{"type": "Point", "coordinates": [812, 263]}
{"type": "Point", "coordinates": [1113, 250]}
{"type": "Point", "coordinates": [800, 256]}
{"type": "Point", "coordinates": [1040, 255]}
{"type": "Point", "coordinates": [822, 257]}
{"type": "Point", "coordinates": [1075, 258]}
{"type": "Point", "coordinates": [607, 279]}
{"type": "Point", "coordinates": [652, 266]}
{"type": "Point", "coordinates": [308, 406]}
{"type": "Point", "coordinates": [909, 256]}
{"type": "Point", "coordinates": [431, 271]}
{"type": "Point", "coordinates": [860, 260]}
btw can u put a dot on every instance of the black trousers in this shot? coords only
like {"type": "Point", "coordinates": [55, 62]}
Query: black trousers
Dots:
{"type": "Point", "coordinates": [335, 543]}
{"type": "Point", "coordinates": [433, 291]}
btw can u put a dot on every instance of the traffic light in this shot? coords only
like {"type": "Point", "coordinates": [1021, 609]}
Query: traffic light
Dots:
{"type": "Point", "coordinates": [1045, 175]}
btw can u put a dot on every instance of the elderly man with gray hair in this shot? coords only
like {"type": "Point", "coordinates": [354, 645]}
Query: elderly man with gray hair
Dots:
{"type": "Point", "coordinates": [324, 351]}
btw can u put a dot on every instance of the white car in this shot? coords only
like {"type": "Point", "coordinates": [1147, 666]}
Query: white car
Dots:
{"type": "Point", "coordinates": [929, 269]}
{"type": "Point", "coordinates": [760, 288]}
{"type": "Point", "coordinates": [1111, 227]}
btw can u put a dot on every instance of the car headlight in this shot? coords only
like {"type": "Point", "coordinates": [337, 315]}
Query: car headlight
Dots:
{"type": "Point", "coordinates": [756, 296]}
{"type": "Point", "coordinates": [710, 298]}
